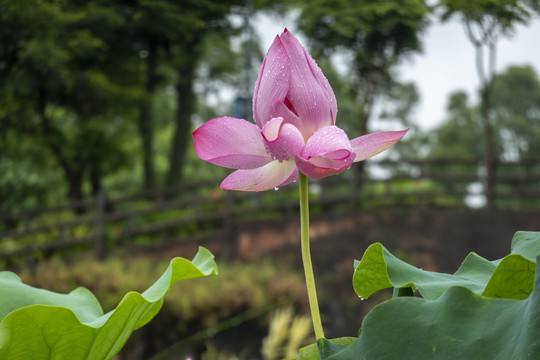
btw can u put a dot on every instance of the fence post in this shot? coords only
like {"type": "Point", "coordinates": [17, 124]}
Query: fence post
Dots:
{"type": "Point", "coordinates": [353, 202]}
{"type": "Point", "coordinates": [228, 219]}
{"type": "Point", "coordinates": [99, 235]}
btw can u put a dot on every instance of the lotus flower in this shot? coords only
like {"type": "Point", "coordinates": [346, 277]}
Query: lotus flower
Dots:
{"type": "Point", "coordinates": [295, 111]}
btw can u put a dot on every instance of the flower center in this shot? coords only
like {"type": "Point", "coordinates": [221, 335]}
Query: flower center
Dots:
{"type": "Point", "coordinates": [290, 106]}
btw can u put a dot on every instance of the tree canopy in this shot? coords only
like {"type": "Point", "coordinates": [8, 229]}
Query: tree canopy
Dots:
{"type": "Point", "coordinates": [485, 22]}
{"type": "Point", "coordinates": [516, 116]}
{"type": "Point", "coordinates": [104, 93]}
{"type": "Point", "coordinates": [78, 81]}
{"type": "Point", "coordinates": [374, 36]}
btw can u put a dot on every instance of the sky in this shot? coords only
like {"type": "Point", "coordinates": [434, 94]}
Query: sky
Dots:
{"type": "Point", "coordinates": [446, 64]}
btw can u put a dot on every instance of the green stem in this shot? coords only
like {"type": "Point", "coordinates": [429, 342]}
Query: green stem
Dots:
{"type": "Point", "coordinates": [306, 257]}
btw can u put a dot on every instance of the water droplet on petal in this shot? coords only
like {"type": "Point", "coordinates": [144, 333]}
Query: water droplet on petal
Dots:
{"type": "Point", "coordinates": [276, 189]}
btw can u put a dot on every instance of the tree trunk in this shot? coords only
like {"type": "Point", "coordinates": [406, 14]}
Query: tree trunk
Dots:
{"type": "Point", "coordinates": [186, 106]}
{"type": "Point", "coordinates": [55, 140]}
{"type": "Point", "coordinates": [486, 36]}
{"type": "Point", "coordinates": [75, 191]}
{"type": "Point", "coordinates": [95, 180]}
{"type": "Point", "coordinates": [490, 160]}
{"type": "Point", "coordinates": [359, 169]}
{"type": "Point", "coordinates": [146, 123]}
{"type": "Point", "coordinates": [370, 90]}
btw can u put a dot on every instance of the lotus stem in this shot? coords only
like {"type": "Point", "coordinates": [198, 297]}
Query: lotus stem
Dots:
{"type": "Point", "coordinates": [306, 257]}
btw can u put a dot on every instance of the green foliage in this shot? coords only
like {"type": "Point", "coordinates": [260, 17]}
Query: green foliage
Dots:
{"type": "Point", "coordinates": [81, 84]}
{"type": "Point", "coordinates": [516, 107]}
{"type": "Point", "coordinates": [460, 324]}
{"type": "Point", "coordinates": [375, 36]}
{"type": "Point", "coordinates": [508, 13]}
{"type": "Point", "coordinates": [510, 277]}
{"type": "Point", "coordinates": [515, 104]}
{"type": "Point", "coordinates": [66, 91]}
{"type": "Point", "coordinates": [326, 346]}
{"type": "Point", "coordinates": [378, 32]}
{"type": "Point", "coordinates": [400, 103]}
{"type": "Point", "coordinates": [27, 175]}
{"type": "Point", "coordinates": [466, 315]}
{"type": "Point", "coordinates": [461, 132]}
{"type": "Point", "coordinates": [485, 21]}
{"type": "Point", "coordinates": [40, 324]}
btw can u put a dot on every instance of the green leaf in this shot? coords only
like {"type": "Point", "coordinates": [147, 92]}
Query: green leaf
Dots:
{"type": "Point", "coordinates": [39, 324]}
{"type": "Point", "coordinates": [329, 347]}
{"type": "Point", "coordinates": [458, 325]}
{"type": "Point", "coordinates": [510, 277]}
{"type": "Point", "coordinates": [486, 310]}
{"type": "Point", "coordinates": [526, 244]}
{"type": "Point", "coordinates": [312, 351]}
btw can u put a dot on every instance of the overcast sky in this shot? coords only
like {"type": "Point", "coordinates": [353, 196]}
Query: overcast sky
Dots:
{"type": "Point", "coordinates": [446, 64]}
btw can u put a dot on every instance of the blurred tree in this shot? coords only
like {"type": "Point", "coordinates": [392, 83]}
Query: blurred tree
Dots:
{"type": "Point", "coordinates": [197, 20]}
{"type": "Point", "coordinates": [150, 26]}
{"type": "Point", "coordinates": [516, 112]}
{"type": "Point", "coordinates": [371, 37]}
{"type": "Point", "coordinates": [78, 82]}
{"type": "Point", "coordinates": [455, 147]}
{"type": "Point", "coordinates": [458, 136]}
{"type": "Point", "coordinates": [485, 22]}
{"type": "Point", "coordinates": [516, 116]}
{"type": "Point", "coordinates": [27, 175]}
{"type": "Point", "coordinates": [516, 119]}
{"type": "Point", "coordinates": [399, 105]}
{"type": "Point", "coordinates": [63, 85]}
{"type": "Point", "coordinates": [170, 34]}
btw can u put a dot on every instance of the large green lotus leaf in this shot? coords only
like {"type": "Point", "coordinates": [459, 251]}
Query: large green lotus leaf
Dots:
{"type": "Point", "coordinates": [511, 277]}
{"type": "Point", "coordinates": [526, 244]}
{"type": "Point", "coordinates": [460, 324]}
{"type": "Point", "coordinates": [40, 324]}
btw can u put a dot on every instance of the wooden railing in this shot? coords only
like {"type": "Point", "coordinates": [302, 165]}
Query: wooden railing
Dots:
{"type": "Point", "coordinates": [191, 211]}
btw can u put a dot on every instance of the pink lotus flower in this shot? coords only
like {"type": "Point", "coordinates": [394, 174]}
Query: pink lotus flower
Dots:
{"type": "Point", "coordinates": [295, 111]}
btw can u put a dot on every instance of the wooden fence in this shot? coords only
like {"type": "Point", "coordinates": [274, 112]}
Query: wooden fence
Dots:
{"type": "Point", "coordinates": [191, 211]}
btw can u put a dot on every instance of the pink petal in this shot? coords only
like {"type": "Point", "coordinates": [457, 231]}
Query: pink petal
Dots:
{"type": "Point", "coordinates": [272, 83]}
{"type": "Point", "coordinates": [372, 144]}
{"type": "Point", "coordinates": [327, 152]}
{"type": "Point", "coordinates": [231, 142]}
{"type": "Point", "coordinates": [309, 92]}
{"type": "Point", "coordinates": [280, 110]}
{"type": "Point", "coordinates": [270, 176]}
{"type": "Point", "coordinates": [270, 130]}
{"type": "Point", "coordinates": [326, 141]}
{"type": "Point", "coordinates": [282, 141]}
{"type": "Point", "coordinates": [313, 171]}
{"type": "Point", "coordinates": [327, 162]}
